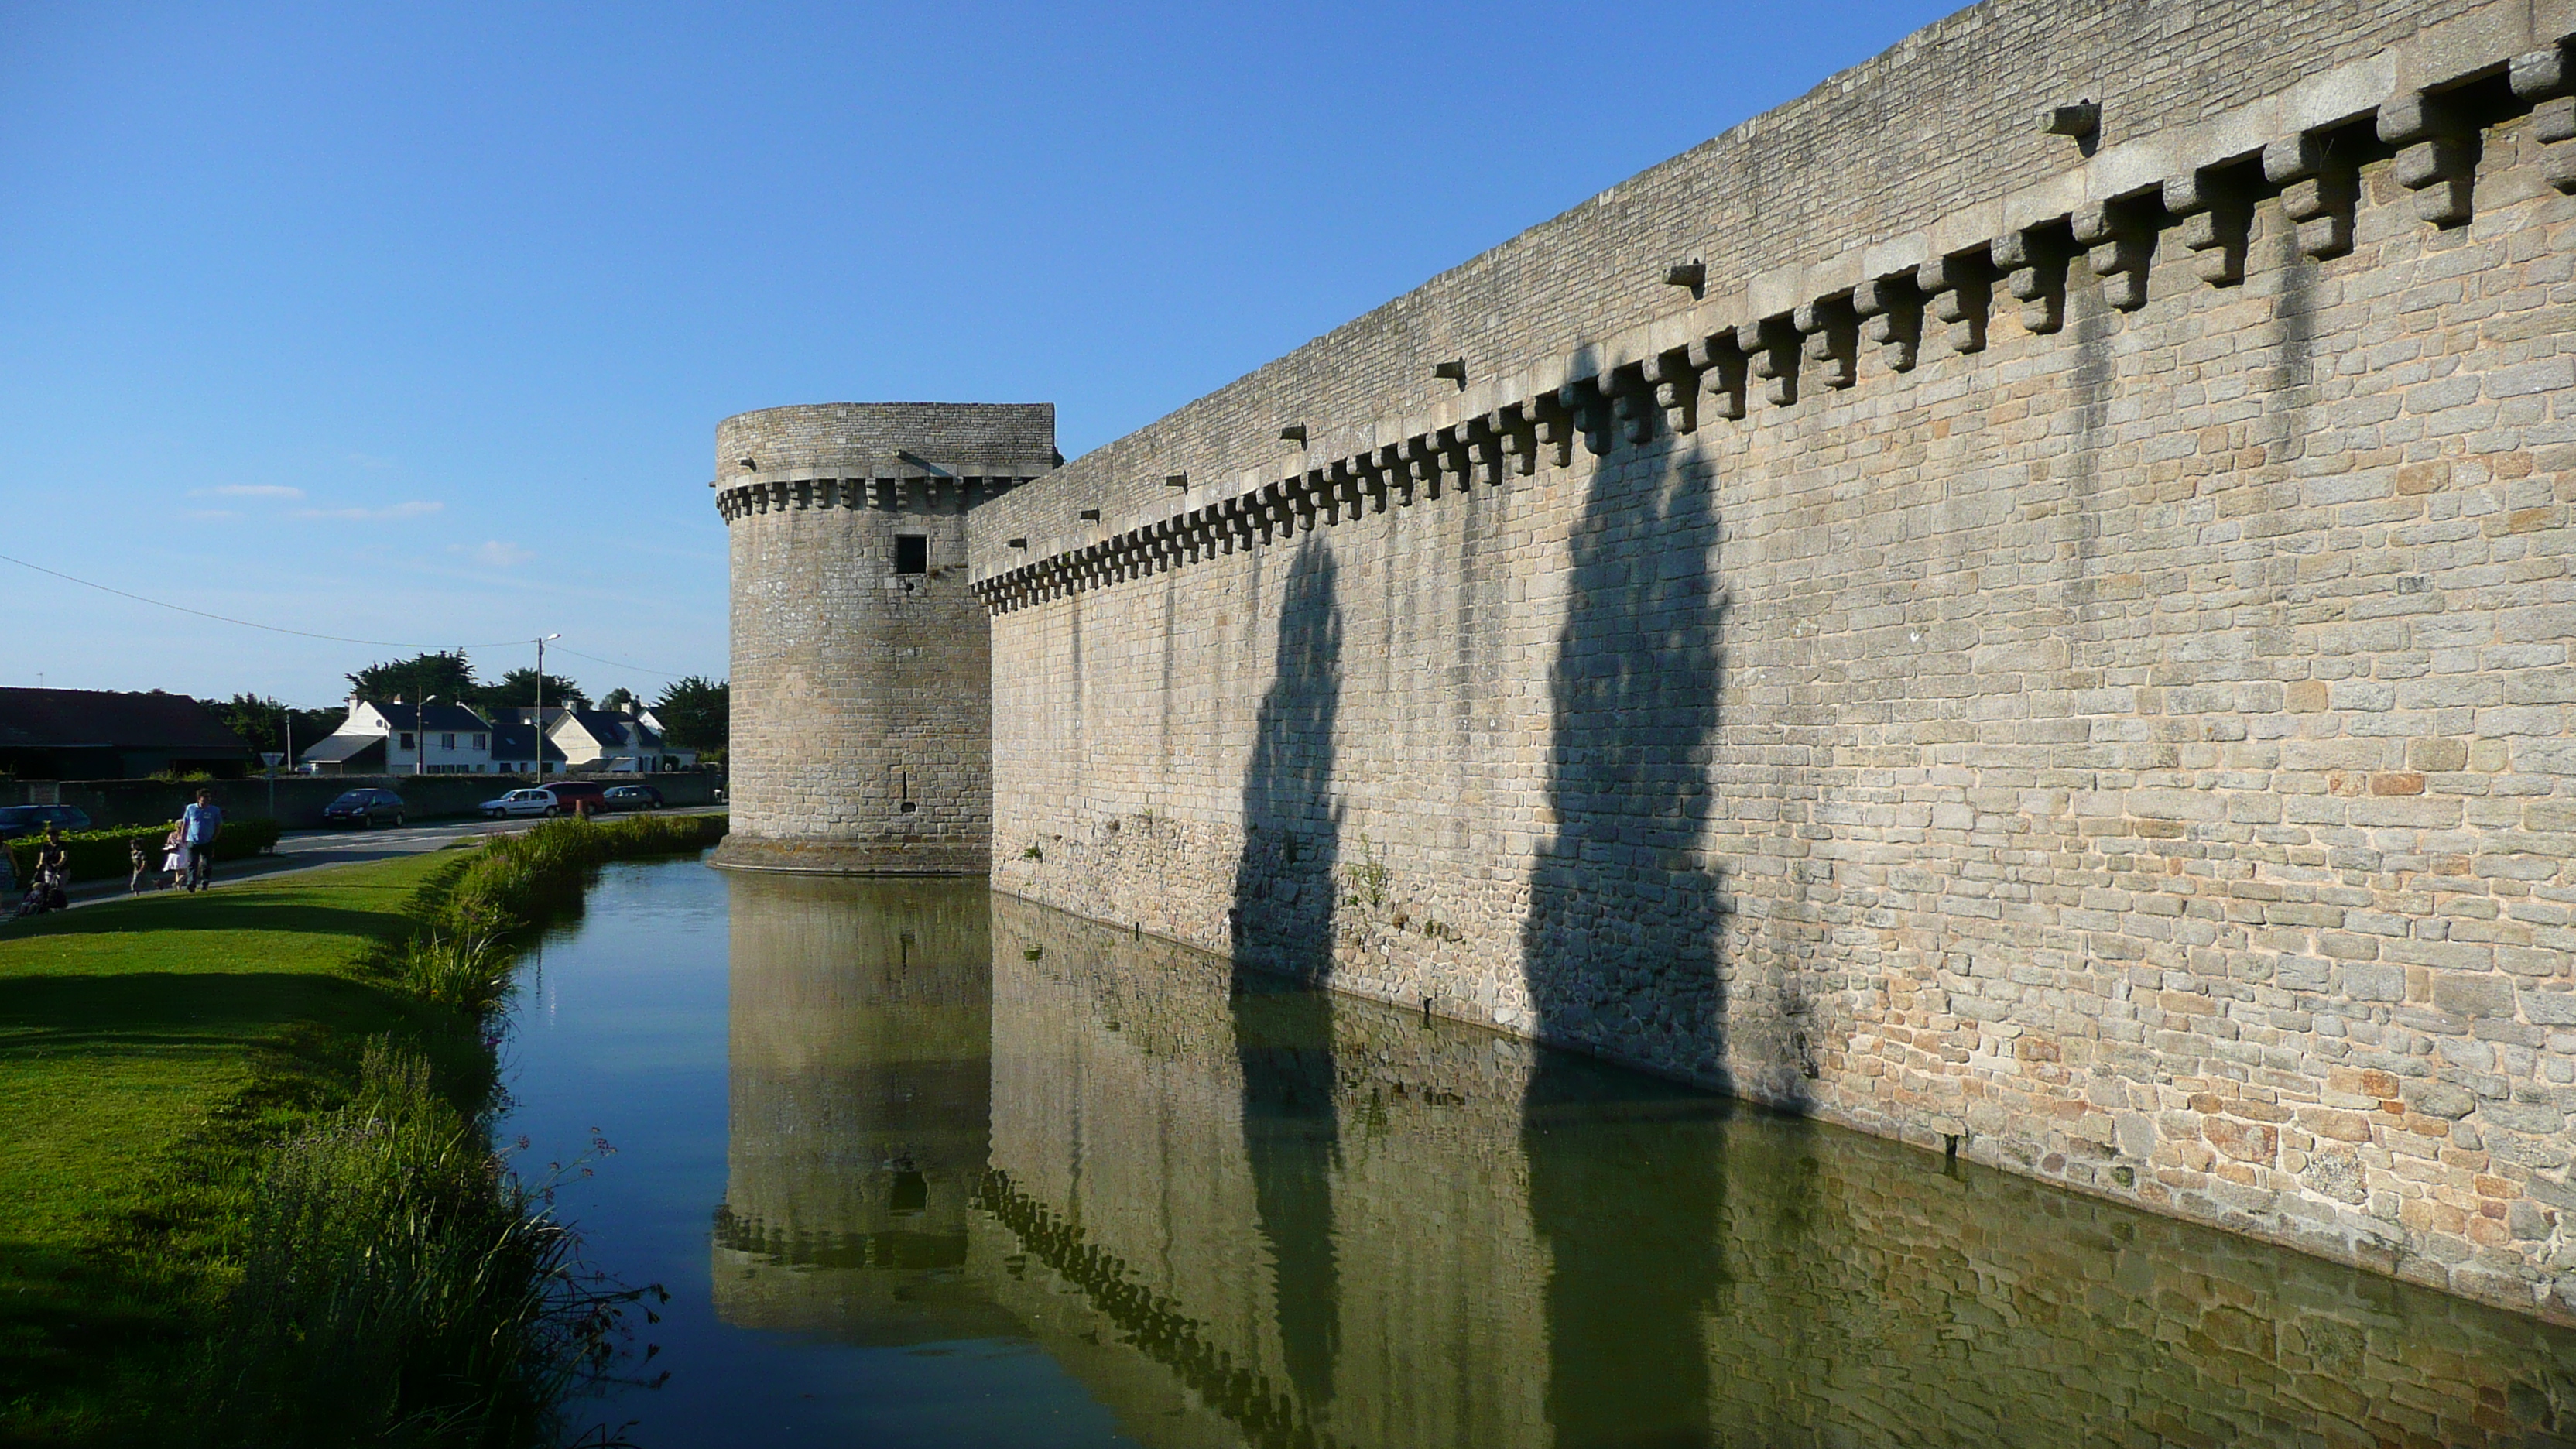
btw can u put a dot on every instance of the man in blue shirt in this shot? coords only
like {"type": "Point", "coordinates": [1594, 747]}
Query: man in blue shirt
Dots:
{"type": "Point", "coordinates": [198, 829]}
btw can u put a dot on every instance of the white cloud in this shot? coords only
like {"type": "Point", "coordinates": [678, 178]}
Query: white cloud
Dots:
{"type": "Point", "coordinates": [412, 509]}
{"type": "Point", "coordinates": [497, 553]}
{"type": "Point", "coordinates": [247, 490]}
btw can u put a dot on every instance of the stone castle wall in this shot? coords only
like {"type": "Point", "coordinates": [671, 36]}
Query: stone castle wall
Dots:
{"type": "Point", "coordinates": [861, 733]}
{"type": "Point", "coordinates": [2060, 658]}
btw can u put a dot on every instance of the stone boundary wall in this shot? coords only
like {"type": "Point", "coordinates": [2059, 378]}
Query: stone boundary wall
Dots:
{"type": "Point", "coordinates": [2080, 683]}
{"type": "Point", "coordinates": [115, 804]}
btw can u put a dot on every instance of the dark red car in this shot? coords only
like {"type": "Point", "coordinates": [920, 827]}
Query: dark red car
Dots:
{"type": "Point", "coordinates": [578, 797]}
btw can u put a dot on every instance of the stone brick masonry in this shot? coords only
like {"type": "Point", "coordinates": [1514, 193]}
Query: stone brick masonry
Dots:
{"type": "Point", "coordinates": [2050, 651]}
{"type": "Point", "coordinates": [861, 734]}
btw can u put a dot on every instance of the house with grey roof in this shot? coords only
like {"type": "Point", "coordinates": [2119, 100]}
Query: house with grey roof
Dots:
{"type": "Point", "coordinates": [397, 738]}
{"type": "Point", "coordinates": [623, 741]}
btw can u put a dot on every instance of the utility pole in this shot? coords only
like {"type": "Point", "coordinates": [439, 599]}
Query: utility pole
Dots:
{"type": "Point", "coordinates": [537, 722]}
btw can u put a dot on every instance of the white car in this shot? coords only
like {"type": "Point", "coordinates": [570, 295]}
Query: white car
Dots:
{"type": "Point", "coordinates": [531, 801]}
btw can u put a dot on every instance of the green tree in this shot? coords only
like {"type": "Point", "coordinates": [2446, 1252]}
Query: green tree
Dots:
{"type": "Point", "coordinates": [617, 697]}
{"type": "Point", "coordinates": [261, 722]}
{"type": "Point", "coordinates": [436, 675]}
{"type": "Point", "coordinates": [694, 712]}
{"type": "Point", "coordinates": [518, 690]}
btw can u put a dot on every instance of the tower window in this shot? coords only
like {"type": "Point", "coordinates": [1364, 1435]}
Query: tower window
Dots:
{"type": "Point", "coordinates": [911, 553]}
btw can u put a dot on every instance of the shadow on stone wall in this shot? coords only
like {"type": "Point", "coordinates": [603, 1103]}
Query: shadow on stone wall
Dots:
{"type": "Point", "coordinates": [1620, 949]}
{"type": "Point", "coordinates": [1620, 953]}
{"type": "Point", "coordinates": [1282, 921]}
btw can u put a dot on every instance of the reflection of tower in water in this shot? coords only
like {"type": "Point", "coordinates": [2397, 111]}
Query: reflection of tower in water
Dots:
{"type": "Point", "coordinates": [860, 1029]}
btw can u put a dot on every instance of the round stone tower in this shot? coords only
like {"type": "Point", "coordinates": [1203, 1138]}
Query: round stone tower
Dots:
{"type": "Point", "coordinates": [862, 729]}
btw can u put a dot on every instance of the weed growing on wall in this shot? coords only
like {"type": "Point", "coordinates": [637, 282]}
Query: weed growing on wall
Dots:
{"type": "Point", "coordinates": [1366, 879]}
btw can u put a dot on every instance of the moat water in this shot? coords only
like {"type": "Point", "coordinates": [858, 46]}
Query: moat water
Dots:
{"type": "Point", "coordinates": [924, 1166]}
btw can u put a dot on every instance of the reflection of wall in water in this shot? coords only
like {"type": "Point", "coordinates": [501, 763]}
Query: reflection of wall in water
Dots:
{"type": "Point", "coordinates": [1631, 1263]}
{"type": "Point", "coordinates": [861, 1014]}
{"type": "Point", "coordinates": [1121, 1164]}
{"type": "Point", "coordinates": [1862, 1290]}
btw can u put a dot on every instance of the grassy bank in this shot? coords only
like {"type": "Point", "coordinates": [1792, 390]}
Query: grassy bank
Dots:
{"type": "Point", "coordinates": [245, 1186]}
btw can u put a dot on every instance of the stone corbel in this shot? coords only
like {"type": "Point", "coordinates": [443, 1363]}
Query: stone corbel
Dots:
{"type": "Point", "coordinates": [2319, 189]}
{"type": "Point", "coordinates": [1396, 475]}
{"type": "Point", "coordinates": [2119, 242]}
{"type": "Point", "coordinates": [2216, 205]}
{"type": "Point", "coordinates": [2542, 77]}
{"type": "Point", "coordinates": [1891, 318]}
{"type": "Point", "coordinates": [1721, 368]}
{"type": "Point", "coordinates": [2437, 155]}
{"type": "Point", "coordinates": [1419, 457]}
{"type": "Point", "coordinates": [1770, 348]}
{"type": "Point", "coordinates": [1832, 339]}
{"type": "Point", "coordinates": [1632, 404]}
{"type": "Point", "coordinates": [1449, 462]}
{"type": "Point", "coordinates": [1552, 426]}
{"type": "Point", "coordinates": [1482, 444]}
{"type": "Point", "coordinates": [1351, 484]}
{"type": "Point", "coordinates": [2034, 272]}
{"type": "Point", "coordinates": [1674, 385]}
{"type": "Point", "coordinates": [1956, 291]}
{"type": "Point", "coordinates": [1518, 437]}
{"type": "Point", "coordinates": [1589, 411]}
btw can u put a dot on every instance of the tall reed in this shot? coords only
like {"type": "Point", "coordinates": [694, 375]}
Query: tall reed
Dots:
{"type": "Point", "coordinates": [402, 1285]}
{"type": "Point", "coordinates": [461, 957]}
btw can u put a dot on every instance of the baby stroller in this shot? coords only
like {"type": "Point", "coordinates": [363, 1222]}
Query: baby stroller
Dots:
{"type": "Point", "coordinates": [44, 893]}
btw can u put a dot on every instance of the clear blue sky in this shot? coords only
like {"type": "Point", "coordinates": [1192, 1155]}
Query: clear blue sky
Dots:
{"type": "Point", "coordinates": [413, 323]}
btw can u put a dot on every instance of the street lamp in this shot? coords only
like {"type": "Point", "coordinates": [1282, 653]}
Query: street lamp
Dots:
{"type": "Point", "coordinates": [537, 721]}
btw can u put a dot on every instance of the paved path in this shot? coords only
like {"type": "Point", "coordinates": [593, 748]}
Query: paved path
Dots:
{"type": "Point", "coordinates": [313, 849]}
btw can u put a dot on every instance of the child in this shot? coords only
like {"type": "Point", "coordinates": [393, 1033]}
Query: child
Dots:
{"type": "Point", "coordinates": [174, 857]}
{"type": "Point", "coordinates": [138, 853]}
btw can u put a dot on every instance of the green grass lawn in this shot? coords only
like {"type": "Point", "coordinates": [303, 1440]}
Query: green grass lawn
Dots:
{"type": "Point", "coordinates": [146, 1048]}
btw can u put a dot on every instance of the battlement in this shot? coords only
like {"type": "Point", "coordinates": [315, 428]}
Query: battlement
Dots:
{"type": "Point", "coordinates": [1880, 211]}
{"type": "Point", "coordinates": [879, 455]}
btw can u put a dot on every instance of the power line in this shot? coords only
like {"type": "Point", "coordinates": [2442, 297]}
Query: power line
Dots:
{"type": "Point", "coordinates": [616, 664]}
{"type": "Point", "coordinates": [330, 638]}
{"type": "Point", "coordinates": [248, 623]}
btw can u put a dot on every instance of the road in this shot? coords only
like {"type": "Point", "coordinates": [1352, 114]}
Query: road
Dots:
{"type": "Point", "coordinates": [313, 849]}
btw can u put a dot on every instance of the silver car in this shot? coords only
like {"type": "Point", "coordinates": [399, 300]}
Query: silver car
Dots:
{"type": "Point", "coordinates": [530, 801]}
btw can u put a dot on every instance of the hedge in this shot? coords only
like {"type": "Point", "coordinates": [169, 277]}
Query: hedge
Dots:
{"type": "Point", "coordinates": [100, 854]}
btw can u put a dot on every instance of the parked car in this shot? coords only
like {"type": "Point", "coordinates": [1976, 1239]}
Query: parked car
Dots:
{"type": "Point", "coordinates": [17, 820]}
{"type": "Point", "coordinates": [632, 797]}
{"type": "Point", "coordinates": [364, 809]}
{"type": "Point", "coordinates": [574, 796]}
{"type": "Point", "coordinates": [530, 801]}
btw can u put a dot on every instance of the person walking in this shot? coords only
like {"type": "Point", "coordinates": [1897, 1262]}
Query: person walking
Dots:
{"type": "Point", "coordinates": [200, 825]}
{"type": "Point", "coordinates": [53, 870]}
{"type": "Point", "coordinates": [138, 853]}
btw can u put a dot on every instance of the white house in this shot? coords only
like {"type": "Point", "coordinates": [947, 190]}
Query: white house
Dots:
{"type": "Point", "coordinates": [394, 738]}
{"type": "Point", "coordinates": [518, 748]}
{"type": "Point", "coordinates": [624, 741]}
